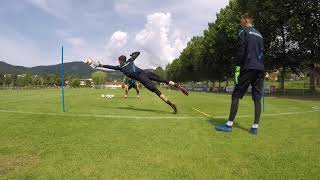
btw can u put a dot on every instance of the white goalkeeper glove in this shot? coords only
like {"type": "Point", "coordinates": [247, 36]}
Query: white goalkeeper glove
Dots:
{"type": "Point", "coordinates": [95, 64]}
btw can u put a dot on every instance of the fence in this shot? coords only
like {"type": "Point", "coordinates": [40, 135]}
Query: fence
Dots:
{"type": "Point", "coordinates": [27, 87]}
{"type": "Point", "coordinates": [290, 89]}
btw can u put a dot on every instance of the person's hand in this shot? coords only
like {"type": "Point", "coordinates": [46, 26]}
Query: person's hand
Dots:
{"type": "Point", "coordinates": [237, 75]}
{"type": "Point", "coordinates": [96, 64]}
{"type": "Point", "coordinates": [134, 53]}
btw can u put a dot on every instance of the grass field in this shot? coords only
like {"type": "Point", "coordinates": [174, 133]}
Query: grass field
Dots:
{"type": "Point", "coordinates": [141, 139]}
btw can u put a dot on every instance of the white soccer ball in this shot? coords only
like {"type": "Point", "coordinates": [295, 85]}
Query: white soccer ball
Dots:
{"type": "Point", "coordinates": [88, 61]}
{"type": "Point", "coordinates": [109, 96]}
{"type": "Point", "coordinates": [102, 95]}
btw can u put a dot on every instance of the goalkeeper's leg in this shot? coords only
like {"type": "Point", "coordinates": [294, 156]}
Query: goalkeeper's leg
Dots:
{"type": "Point", "coordinates": [151, 87]}
{"type": "Point", "coordinates": [138, 91]}
{"type": "Point", "coordinates": [257, 89]}
{"type": "Point", "coordinates": [238, 93]}
{"type": "Point", "coordinates": [154, 77]}
{"type": "Point", "coordinates": [127, 90]}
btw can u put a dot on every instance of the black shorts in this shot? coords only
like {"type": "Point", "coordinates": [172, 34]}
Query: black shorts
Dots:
{"type": "Point", "coordinates": [132, 86]}
{"type": "Point", "coordinates": [144, 79]}
{"type": "Point", "coordinates": [247, 77]}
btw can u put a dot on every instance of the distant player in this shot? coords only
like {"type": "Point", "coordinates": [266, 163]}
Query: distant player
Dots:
{"type": "Point", "coordinates": [249, 71]}
{"type": "Point", "coordinates": [128, 84]}
{"type": "Point", "coordinates": [128, 68]}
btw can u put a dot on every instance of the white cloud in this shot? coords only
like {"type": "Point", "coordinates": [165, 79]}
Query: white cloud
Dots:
{"type": "Point", "coordinates": [116, 46]}
{"type": "Point", "coordinates": [158, 41]}
{"type": "Point", "coordinates": [118, 39]}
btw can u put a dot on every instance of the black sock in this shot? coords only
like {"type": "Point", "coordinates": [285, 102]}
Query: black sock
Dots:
{"type": "Point", "coordinates": [234, 108]}
{"type": "Point", "coordinates": [257, 110]}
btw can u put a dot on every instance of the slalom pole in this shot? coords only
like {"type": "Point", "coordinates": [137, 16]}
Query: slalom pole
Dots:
{"type": "Point", "coordinates": [62, 80]}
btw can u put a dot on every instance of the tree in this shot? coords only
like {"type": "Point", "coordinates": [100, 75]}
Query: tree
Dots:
{"type": "Point", "coordinates": [38, 80]}
{"type": "Point", "coordinates": [88, 83]}
{"type": "Point", "coordinates": [191, 60]}
{"type": "Point", "coordinates": [221, 39]}
{"type": "Point", "coordinates": [75, 83]}
{"type": "Point", "coordinates": [99, 77]}
{"type": "Point", "coordinates": [20, 81]}
{"type": "Point", "coordinates": [8, 79]}
{"type": "Point", "coordinates": [159, 71]}
{"type": "Point", "coordinates": [173, 70]}
{"type": "Point", "coordinates": [291, 40]}
{"type": "Point", "coordinates": [28, 78]}
{"type": "Point", "coordinates": [305, 26]}
{"type": "Point", "coordinates": [1, 79]}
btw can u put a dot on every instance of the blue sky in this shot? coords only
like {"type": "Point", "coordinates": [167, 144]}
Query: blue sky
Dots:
{"type": "Point", "coordinates": [32, 31]}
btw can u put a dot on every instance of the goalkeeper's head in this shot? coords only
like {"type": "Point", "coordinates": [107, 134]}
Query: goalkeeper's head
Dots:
{"type": "Point", "coordinates": [122, 59]}
{"type": "Point", "coordinates": [246, 20]}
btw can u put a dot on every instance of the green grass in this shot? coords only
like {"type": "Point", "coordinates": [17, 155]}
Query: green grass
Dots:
{"type": "Point", "coordinates": [38, 142]}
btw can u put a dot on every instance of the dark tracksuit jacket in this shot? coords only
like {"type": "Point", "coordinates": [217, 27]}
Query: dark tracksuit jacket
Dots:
{"type": "Point", "coordinates": [250, 58]}
{"type": "Point", "coordinates": [250, 49]}
{"type": "Point", "coordinates": [128, 68]}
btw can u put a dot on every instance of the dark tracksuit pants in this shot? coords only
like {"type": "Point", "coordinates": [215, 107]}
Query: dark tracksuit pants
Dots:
{"type": "Point", "coordinates": [247, 78]}
{"type": "Point", "coordinates": [146, 78]}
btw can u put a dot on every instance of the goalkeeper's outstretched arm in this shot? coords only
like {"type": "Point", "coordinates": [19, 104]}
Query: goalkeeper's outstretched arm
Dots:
{"type": "Point", "coordinates": [134, 56]}
{"type": "Point", "coordinates": [110, 67]}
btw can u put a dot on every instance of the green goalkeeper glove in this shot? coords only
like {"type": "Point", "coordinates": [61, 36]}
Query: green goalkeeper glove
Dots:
{"type": "Point", "coordinates": [237, 74]}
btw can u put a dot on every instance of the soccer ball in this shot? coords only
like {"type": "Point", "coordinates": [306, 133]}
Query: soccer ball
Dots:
{"type": "Point", "coordinates": [88, 61]}
{"type": "Point", "coordinates": [109, 96]}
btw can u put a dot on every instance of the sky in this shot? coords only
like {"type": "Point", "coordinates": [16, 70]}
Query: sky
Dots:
{"type": "Point", "coordinates": [33, 31]}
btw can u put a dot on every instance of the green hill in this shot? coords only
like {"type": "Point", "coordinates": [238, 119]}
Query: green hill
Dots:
{"type": "Point", "coordinates": [77, 68]}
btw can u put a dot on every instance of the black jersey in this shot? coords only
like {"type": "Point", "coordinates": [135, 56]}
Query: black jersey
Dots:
{"type": "Point", "coordinates": [250, 54]}
{"type": "Point", "coordinates": [128, 68]}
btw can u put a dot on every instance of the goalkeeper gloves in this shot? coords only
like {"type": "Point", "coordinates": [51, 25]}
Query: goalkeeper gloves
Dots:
{"type": "Point", "coordinates": [237, 75]}
{"type": "Point", "coordinates": [134, 53]}
{"type": "Point", "coordinates": [96, 64]}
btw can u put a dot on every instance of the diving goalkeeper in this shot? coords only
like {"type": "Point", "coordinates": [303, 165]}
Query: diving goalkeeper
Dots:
{"type": "Point", "coordinates": [145, 77]}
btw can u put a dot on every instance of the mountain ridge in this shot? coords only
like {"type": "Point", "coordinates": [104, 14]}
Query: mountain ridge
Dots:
{"type": "Point", "coordinates": [77, 68]}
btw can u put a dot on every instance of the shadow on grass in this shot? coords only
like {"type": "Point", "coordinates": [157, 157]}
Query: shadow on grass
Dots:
{"type": "Point", "coordinates": [220, 121]}
{"type": "Point", "coordinates": [141, 109]}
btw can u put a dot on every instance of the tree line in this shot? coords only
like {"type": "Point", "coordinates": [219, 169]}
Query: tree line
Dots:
{"type": "Point", "coordinates": [28, 79]}
{"type": "Point", "coordinates": [291, 40]}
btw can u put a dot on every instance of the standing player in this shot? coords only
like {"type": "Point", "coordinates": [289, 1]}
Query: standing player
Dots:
{"type": "Point", "coordinates": [145, 77]}
{"type": "Point", "coordinates": [128, 84]}
{"type": "Point", "coordinates": [249, 70]}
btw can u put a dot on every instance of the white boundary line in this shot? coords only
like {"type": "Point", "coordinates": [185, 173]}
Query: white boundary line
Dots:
{"type": "Point", "coordinates": [316, 107]}
{"type": "Point", "coordinates": [282, 114]}
{"type": "Point", "coordinates": [153, 117]}
{"type": "Point", "coordinates": [98, 116]}
{"type": "Point", "coordinates": [246, 116]}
